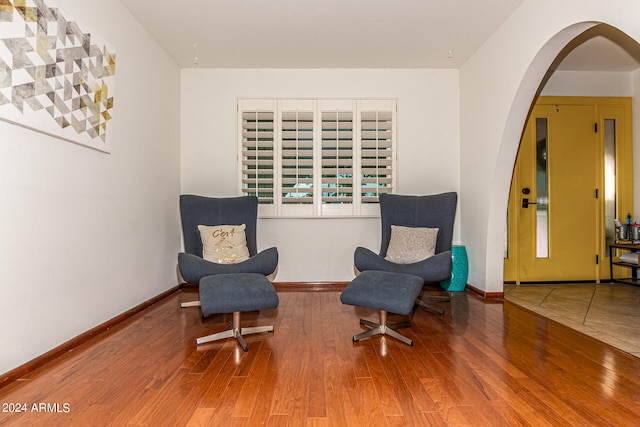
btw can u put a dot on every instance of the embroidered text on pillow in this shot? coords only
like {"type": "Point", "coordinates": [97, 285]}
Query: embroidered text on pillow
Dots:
{"type": "Point", "coordinates": [224, 244]}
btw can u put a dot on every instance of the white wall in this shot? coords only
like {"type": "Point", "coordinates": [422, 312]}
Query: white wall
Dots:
{"type": "Point", "coordinates": [588, 83]}
{"type": "Point", "coordinates": [497, 85]}
{"type": "Point", "coordinates": [321, 249]}
{"type": "Point", "coordinates": [85, 236]}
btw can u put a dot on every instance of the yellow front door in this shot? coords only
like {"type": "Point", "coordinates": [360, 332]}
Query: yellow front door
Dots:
{"type": "Point", "coordinates": [556, 217]}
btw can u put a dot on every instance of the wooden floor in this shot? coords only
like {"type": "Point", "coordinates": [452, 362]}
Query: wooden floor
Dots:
{"type": "Point", "coordinates": [483, 363]}
{"type": "Point", "coordinates": [608, 312]}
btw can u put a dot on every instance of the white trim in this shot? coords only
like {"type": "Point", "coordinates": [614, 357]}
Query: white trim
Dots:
{"type": "Point", "coordinates": [352, 206]}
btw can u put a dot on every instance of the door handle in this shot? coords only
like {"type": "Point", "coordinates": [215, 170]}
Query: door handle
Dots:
{"type": "Point", "coordinates": [526, 203]}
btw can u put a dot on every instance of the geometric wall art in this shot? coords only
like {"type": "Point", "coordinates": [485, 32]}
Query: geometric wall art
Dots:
{"type": "Point", "coordinates": [55, 77]}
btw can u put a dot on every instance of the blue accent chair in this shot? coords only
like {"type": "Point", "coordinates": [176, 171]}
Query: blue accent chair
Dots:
{"type": "Point", "coordinates": [227, 288]}
{"type": "Point", "coordinates": [199, 210]}
{"type": "Point", "coordinates": [432, 211]}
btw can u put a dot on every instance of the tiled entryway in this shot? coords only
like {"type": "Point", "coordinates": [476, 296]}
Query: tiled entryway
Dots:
{"type": "Point", "coordinates": [607, 312]}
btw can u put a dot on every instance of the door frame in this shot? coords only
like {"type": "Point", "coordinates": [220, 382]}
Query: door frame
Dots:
{"type": "Point", "coordinates": [618, 108]}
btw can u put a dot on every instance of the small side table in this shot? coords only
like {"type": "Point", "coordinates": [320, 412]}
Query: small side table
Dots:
{"type": "Point", "coordinates": [457, 281]}
{"type": "Point", "coordinates": [633, 280]}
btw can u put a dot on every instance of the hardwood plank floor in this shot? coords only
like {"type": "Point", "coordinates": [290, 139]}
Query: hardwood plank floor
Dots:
{"type": "Point", "coordinates": [484, 363]}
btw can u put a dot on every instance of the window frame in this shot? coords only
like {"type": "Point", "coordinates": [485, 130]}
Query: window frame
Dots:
{"type": "Point", "coordinates": [290, 160]}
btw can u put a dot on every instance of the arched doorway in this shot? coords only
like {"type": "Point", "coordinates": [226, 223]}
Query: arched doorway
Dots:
{"type": "Point", "coordinates": [593, 64]}
{"type": "Point", "coordinates": [498, 85]}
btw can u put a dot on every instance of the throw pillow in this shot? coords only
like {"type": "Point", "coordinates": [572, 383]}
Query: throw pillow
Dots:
{"type": "Point", "coordinates": [411, 244]}
{"type": "Point", "coordinates": [224, 244]}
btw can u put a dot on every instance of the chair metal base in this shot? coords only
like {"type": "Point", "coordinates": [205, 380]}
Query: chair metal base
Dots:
{"type": "Point", "coordinates": [383, 329]}
{"type": "Point", "coordinates": [422, 302]}
{"type": "Point", "coordinates": [235, 332]}
{"type": "Point", "coordinates": [181, 280]}
{"type": "Point", "coordinates": [190, 304]}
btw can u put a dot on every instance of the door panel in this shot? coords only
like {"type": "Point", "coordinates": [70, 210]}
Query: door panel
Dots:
{"type": "Point", "coordinates": [557, 237]}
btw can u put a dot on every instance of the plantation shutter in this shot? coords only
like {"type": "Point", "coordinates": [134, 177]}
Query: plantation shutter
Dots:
{"type": "Point", "coordinates": [258, 154]}
{"type": "Point", "coordinates": [377, 152]}
{"type": "Point", "coordinates": [337, 157]}
{"type": "Point", "coordinates": [297, 157]}
{"type": "Point", "coordinates": [317, 157]}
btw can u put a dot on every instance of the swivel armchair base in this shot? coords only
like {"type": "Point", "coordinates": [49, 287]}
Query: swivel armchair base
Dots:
{"type": "Point", "coordinates": [235, 332]}
{"type": "Point", "coordinates": [190, 304]}
{"type": "Point", "coordinates": [383, 329]}
{"type": "Point", "coordinates": [423, 302]}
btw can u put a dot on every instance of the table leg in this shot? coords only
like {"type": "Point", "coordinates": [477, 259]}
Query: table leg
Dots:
{"type": "Point", "coordinates": [611, 264]}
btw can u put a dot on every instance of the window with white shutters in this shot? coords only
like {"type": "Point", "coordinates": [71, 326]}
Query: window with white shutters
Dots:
{"type": "Point", "coordinates": [376, 155]}
{"type": "Point", "coordinates": [297, 157]}
{"type": "Point", "coordinates": [337, 157]}
{"type": "Point", "coordinates": [317, 157]}
{"type": "Point", "coordinates": [258, 151]}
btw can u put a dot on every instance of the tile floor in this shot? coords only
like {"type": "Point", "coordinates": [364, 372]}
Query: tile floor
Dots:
{"type": "Point", "coordinates": [607, 312]}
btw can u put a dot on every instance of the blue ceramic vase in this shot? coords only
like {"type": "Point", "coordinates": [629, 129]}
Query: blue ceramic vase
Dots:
{"type": "Point", "coordinates": [457, 281]}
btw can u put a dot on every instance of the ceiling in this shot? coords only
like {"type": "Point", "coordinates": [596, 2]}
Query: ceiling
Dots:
{"type": "Point", "coordinates": [343, 33]}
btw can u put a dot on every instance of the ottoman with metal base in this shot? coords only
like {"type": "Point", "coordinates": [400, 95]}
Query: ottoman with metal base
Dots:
{"type": "Point", "coordinates": [235, 293]}
{"type": "Point", "coordinates": [386, 292]}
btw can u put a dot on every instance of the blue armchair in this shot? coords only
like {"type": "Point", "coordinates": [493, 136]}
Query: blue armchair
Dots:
{"type": "Point", "coordinates": [432, 211]}
{"type": "Point", "coordinates": [200, 210]}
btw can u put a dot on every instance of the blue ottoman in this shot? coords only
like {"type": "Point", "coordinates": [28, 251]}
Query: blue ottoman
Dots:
{"type": "Point", "coordinates": [235, 293]}
{"type": "Point", "coordinates": [386, 292]}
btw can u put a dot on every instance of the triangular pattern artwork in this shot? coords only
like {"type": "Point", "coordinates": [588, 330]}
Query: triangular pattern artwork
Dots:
{"type": "Point", "coordinates": [55, 77]}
